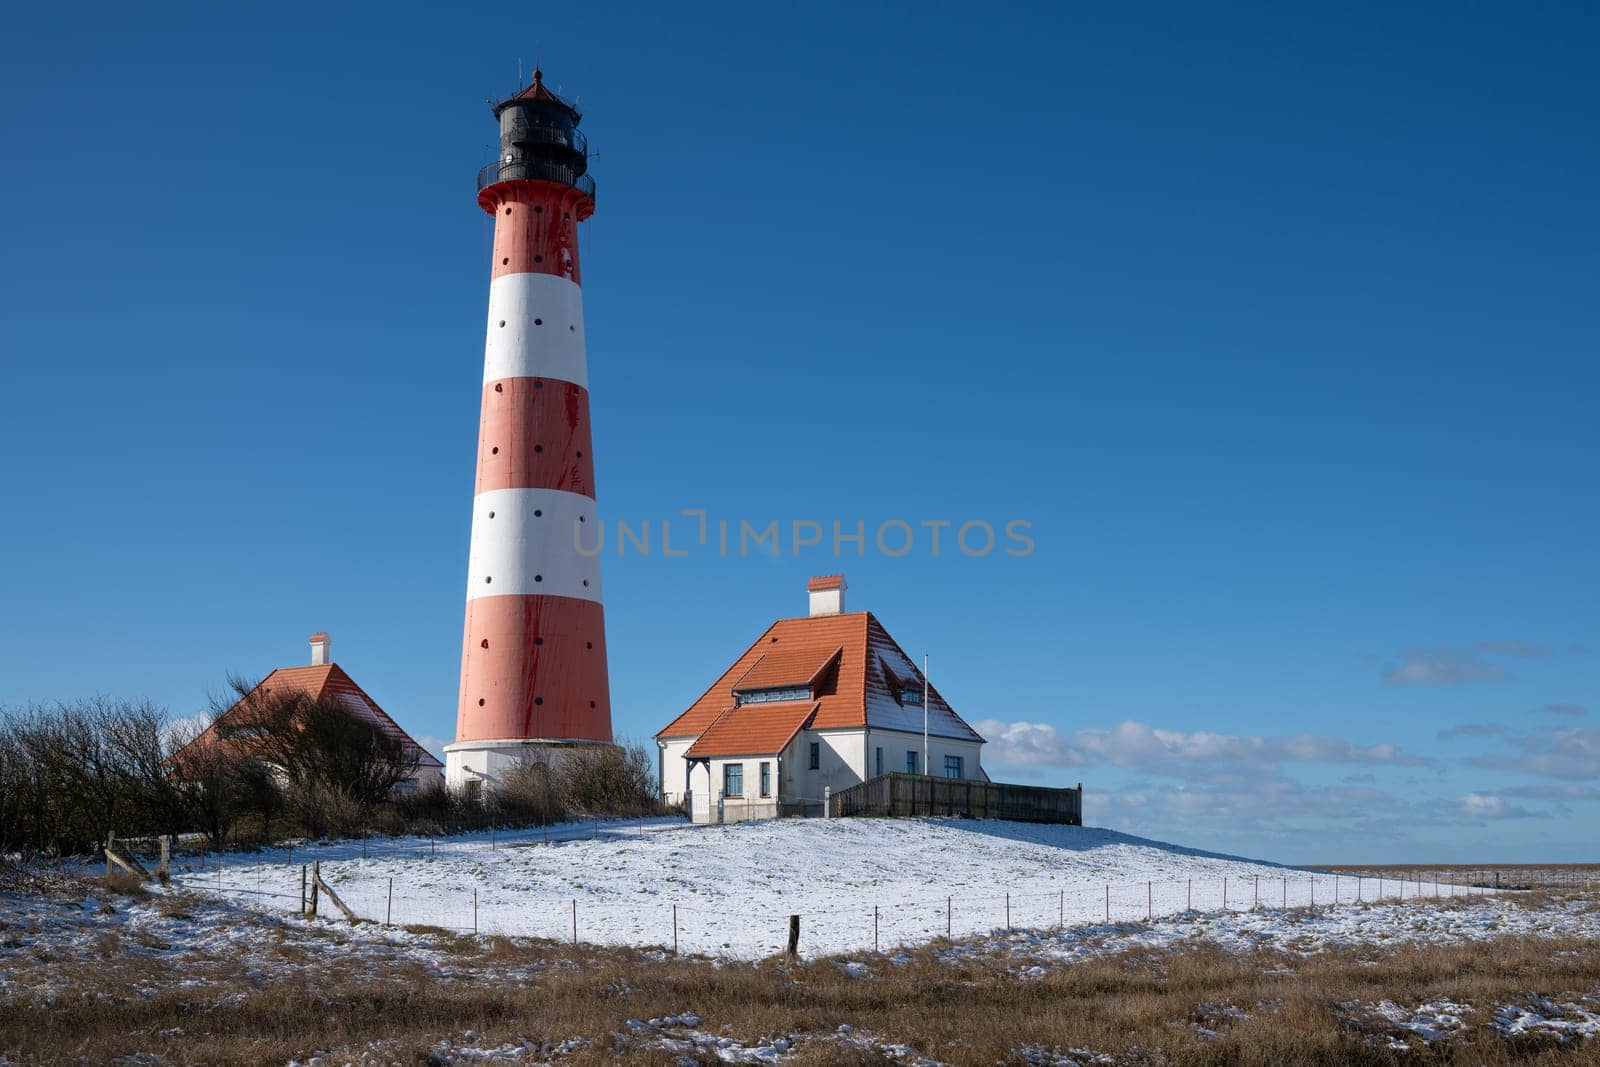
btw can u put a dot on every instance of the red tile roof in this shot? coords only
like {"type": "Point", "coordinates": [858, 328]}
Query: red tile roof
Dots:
{"type": "Point", "coordinates": [319, 681]}
{"type": "Point", "coordinates": [754, 729]}
{"type": "Point", "coordinates": [852, 693]}
{"type": "Point", "coordinates": [826, 581]}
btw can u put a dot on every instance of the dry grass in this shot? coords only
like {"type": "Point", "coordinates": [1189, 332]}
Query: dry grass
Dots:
{"type": "Point", "coordinates": [1263, 1007]}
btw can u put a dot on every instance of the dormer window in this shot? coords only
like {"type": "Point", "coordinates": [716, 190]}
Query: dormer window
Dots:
{"type": "Point", "coordinates": [772, 694]}
{"type": "Point", "coordinates": [907, 692]}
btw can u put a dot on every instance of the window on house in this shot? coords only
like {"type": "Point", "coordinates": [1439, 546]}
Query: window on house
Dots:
{"type": "Point", "coordinates": [877, 761]}
{"type": "Point", "coordinates": [816, 755]}
{"type": "Point", "coordinates": [766, 779]}
{"type": "Point", "coordinates": [733, 780]}
{"type": "Point", "coordinates": [952, 767]}
{"type": "Point", "coordinates": [772, 694]}
{"type": "Point", "coordinates": [911, 761]}
{"type": "Point", "coordinates": [911, 694]}
{"type": "Point", "coordinates": [473, 788]}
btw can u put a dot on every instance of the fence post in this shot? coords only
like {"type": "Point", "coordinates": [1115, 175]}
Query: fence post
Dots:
{"type": "Point", "coordinates": [1008, 913]}
{"type": "Point", "coordinates": [947, 916]}
{"type": "Point", "coordinates": [1150, 900]}
{"type": "Point", "coordinates": [111, 846]}
{"type": "Point", "coordinates": [1336, 890]}
{"type": "Point", "coordinates": [302, 889]}
{"type": "Point", "coordinates": [1313, 890]}
{"type": "Point", "coordinates": [874, 928]}
{"type": "Point", "coordinates": [1286, 891]}
{"type": "Point", "coordinates": [388, 907]}
{"type": "Point", "coordinates": [1189, 906]}
{"type": "Point", "coordinates": [674, 929]}
{"type": "Point", "coordinates": [1108, 902]}
{"type": "Point", "coordinates": [574, 922]}
{"type": "Point", "coordinates": [1061, 908]}
{"type": "Point", "coordinates": [474, 909]}
{"type": "Point", "coordinates": [827, 802]}
{"type": "Point", "coordinates": [794, 936]}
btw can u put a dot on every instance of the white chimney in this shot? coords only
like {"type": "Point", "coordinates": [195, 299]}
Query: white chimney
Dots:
{"type": "Point", "coordinates": [321, 650]}
{"type": "Point", "coordinates": [827, 594]}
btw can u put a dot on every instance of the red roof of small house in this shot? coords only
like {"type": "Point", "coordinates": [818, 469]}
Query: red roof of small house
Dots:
{"type": "Point", "coordinates": [318, 681]}
{"type": "Point", "coordinates": [754, 729]}
{"type": "Point", "coordinates": [860, 678]}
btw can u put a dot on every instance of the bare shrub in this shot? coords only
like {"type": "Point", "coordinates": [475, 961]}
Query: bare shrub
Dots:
{"type": "Point", "coordinates": [527, 795]}
{"type": "Point", "coordinates": [335, 765]}
{"type": "Point", "coordinates": [69, 772]}
{"type": "Point", "coordinates": [608, 780]}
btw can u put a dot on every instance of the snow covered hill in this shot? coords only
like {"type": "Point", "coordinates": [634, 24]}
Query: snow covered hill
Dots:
{"type": "Point", "coordinates": [729, 890]}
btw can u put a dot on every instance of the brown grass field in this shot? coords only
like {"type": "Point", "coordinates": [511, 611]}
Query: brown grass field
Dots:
{"type": "Point", "coordinates": [318, 988]}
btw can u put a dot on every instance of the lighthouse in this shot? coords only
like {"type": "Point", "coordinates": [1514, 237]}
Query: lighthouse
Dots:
{"type": "Point", "coordinates": [533, 656]}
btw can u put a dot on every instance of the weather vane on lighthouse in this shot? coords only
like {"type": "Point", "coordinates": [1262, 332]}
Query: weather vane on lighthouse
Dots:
{"type": "Point", "coordinates": [533, 659]}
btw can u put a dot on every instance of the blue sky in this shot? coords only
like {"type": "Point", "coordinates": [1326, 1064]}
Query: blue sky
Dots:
{"type": "Point", "coordinates": [1277, 327]}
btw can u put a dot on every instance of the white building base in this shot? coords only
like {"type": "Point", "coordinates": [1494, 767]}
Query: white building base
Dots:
{"type": "Point", "coordinates": [485, 762]}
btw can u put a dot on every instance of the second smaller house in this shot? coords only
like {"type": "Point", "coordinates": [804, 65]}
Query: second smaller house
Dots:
{"type": "Point", "coordinates": [321, 678]}
{"type": "Point", "coordinates": [816, 704]}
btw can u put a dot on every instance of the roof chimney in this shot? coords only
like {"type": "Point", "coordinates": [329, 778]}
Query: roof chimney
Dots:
{"type": "Point", "coordinates": [827, 594]}
{"type": "Point", "coordinates": [321, 650]}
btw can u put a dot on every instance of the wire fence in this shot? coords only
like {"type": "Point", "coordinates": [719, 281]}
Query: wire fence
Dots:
{"type": "Point", "coordinates": [446, 896]}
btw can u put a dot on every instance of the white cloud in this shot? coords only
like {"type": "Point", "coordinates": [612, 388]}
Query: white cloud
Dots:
{"type": "Point", "coordinates": [1571, 753]}
{"type": "Point", "coordinates": [182, 730]}
{"type": "Point", "coordinates": [1472, 729]}
{"type": "Point", "coordinates": [1441, 666]}
{"type": "Point", "coordinates": [1570, 711]}
{"type": "Point", "coordinates": [1135, 744]}
{"type": "Point", "coordinates": [1492, 806]}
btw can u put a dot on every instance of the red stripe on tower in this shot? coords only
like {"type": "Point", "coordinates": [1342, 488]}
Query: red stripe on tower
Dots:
{"type": "Point", "coordinates": [533, 656]}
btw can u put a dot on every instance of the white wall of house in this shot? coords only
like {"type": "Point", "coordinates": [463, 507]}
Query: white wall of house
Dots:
{"type": "Point", "coordinates": [840, 763]}
{"type": "Point", "coordinates": [670, 768]}
{"type": "Point", "coordinates": [896, 744]}
{"type": "Point", "coordinates": [712, 802]}
{"type": "Point", "coordinates": [845, 758]}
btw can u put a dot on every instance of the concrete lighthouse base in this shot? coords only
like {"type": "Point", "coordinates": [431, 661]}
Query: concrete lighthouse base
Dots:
{"type": "Point", "coordinates": [476, 766]}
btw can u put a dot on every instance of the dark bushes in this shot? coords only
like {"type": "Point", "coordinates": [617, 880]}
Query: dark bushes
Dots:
{"type": "Point", "coordinates": [69, 773]}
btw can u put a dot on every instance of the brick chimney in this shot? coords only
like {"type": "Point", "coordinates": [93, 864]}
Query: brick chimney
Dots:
{"type": "Point", "coordinates": [827, 594]}
{"type": "Point", "coordinates": [321, 650]}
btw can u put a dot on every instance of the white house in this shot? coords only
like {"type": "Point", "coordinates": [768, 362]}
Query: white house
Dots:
{"type": "Point", "coordinates": [817, 703]}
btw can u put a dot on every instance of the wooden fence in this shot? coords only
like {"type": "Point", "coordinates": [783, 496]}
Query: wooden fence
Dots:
{"type": "Point", "coordinates": [920, 794]}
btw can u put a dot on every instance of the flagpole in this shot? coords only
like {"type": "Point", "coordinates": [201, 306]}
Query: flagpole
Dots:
{"type": "Point", "coordinates": [925, 768]}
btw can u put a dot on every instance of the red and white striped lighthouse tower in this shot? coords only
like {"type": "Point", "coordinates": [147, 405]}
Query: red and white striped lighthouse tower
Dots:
{"type": "Point", "coordinates": [533, 659]}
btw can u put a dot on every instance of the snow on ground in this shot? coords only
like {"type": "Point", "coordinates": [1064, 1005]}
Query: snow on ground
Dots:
{"type": "Point", "coordinates": [1302, 931]}
{"type": "Point", "coordinates": [856, 883]}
